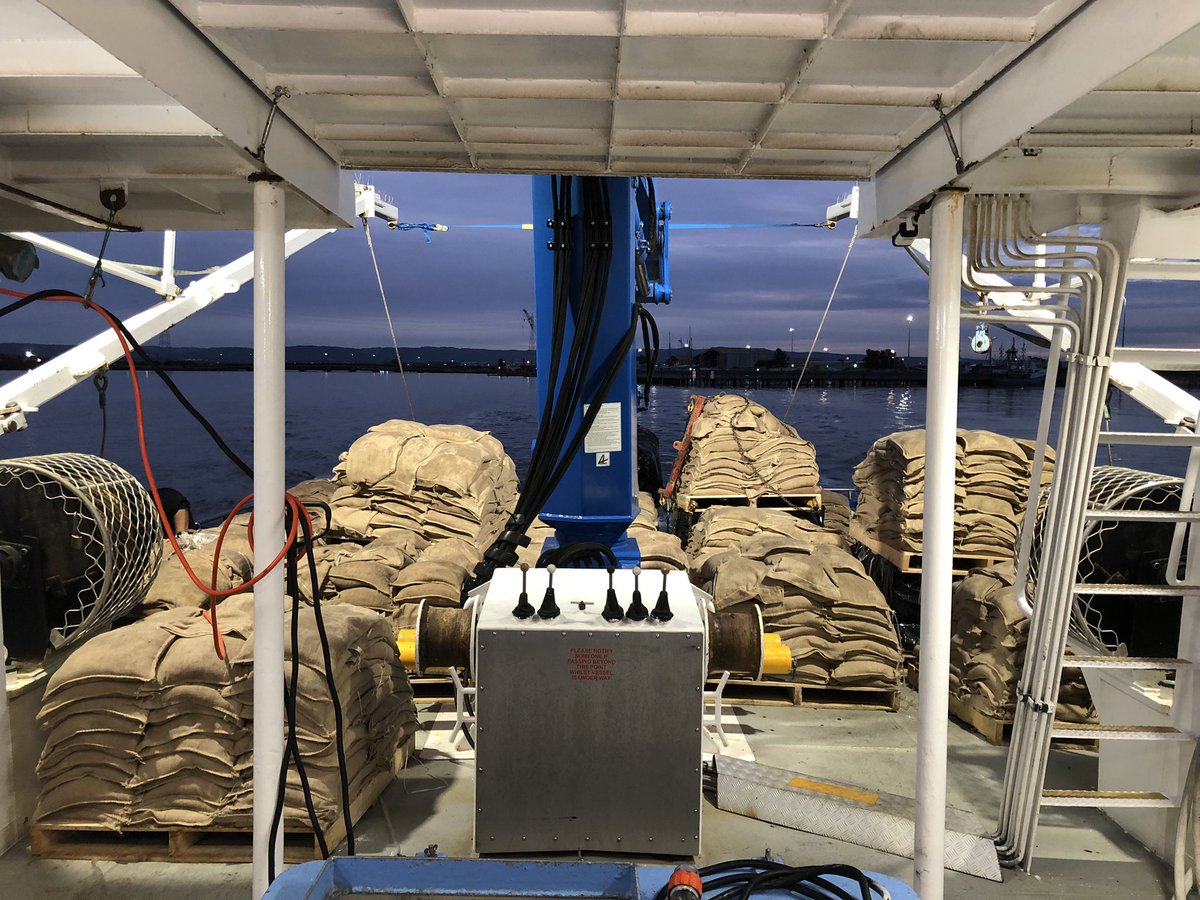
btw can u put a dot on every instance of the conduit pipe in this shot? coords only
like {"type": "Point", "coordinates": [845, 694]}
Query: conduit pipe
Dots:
{"type": "Point", "coordinates": [941, 440]}
{"type": "Point", "coordinates": [269, 470]}
{"type": "Point", "coordinates": [1091, 272]}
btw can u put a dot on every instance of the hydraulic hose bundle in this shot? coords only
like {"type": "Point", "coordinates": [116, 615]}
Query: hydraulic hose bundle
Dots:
{"type": "Point", "coordinates": [738, 879]}
{"type": "Point", "coordinates": [298, 530]}
{"type": "Point", "coordinates": [556, 445]}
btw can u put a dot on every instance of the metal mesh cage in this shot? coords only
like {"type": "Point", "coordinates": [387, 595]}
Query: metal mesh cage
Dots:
{"type": "Point", "coordinates": [97, 530]}
{"type": "Point", "coordinates": [1122, 553]}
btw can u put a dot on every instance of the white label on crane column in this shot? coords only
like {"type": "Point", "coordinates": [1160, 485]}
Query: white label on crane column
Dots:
{"type": "Point", "coordinates": [605, 434]}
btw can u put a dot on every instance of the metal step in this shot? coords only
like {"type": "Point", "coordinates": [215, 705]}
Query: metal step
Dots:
{"type": "Point", "coordinates": [1139, 590]}
{"type": "Point", "coordinates": [1150, 438]}
{"type": "Point", "coordinates": [1095, 799]}
{"type": "Point", "coordinates": [1145, 663]}
{"type": "Point", "coordinates": [1160, 359]}
{"type": "Point", "coordinates": [1142, 515]}
{"type": "Point", "coordinates": [1095, 732]}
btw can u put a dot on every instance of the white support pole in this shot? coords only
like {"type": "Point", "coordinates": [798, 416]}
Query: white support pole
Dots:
{"type": "Point", "coordinates": [168, 265]}
{"type": "Point", "coordinates": [268, 519]}
{"type": "Point", "coordinates": [941, 418]}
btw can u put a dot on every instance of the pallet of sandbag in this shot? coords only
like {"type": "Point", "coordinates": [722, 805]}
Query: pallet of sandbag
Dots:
{"type": "Point", "coordinates": [432, 688]}
{"type": "Point", "coordinates": [781, 692]}
{"type": "Point", "coordinates": [213, 844]}
{"type": "Point", "coordinates": [995, 729]}
{"type": "Point", "coordinates": [805, 504]}
{"type": "Point", "coordinates": [910, 562]}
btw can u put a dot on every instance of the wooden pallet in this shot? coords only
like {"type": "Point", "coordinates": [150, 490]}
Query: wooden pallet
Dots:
{"type": "Point", "coordinates": [432, 688]}
{"type": "Point", "coordinates": [747, 692]}
{"type": "Point", "coordinates": [797, 504]}
{"type": "Point", "coordinates": [197, 845]}
{"type": "Point", "coordinates": [996, 730]}
{"type": "Point", "coordinates": [910, 562]}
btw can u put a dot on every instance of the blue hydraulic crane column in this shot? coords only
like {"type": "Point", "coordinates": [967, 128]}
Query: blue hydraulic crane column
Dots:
{"type": "Point", "coordinates": [596, 499]}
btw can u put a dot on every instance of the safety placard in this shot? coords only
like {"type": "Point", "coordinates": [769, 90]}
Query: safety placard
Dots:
{"type": "Point", "coordinates": [605, 434]}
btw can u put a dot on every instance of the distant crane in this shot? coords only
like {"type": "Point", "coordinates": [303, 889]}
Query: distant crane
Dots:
{"type": "Point", "coordinates": [532, 336]}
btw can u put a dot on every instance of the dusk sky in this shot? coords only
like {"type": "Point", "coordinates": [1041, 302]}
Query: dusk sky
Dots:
{"type": "Point", "coordinates": [468, 286]}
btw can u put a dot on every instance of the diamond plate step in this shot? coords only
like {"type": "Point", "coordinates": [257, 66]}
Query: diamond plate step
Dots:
{"type": "Point", "coordinates": [1096, 799]}
{"type": "Point", "coordinates": [1139, 590]}
{"type": "Point", "coordinates": [1089, 731]}
{"type": "Point", "coordinates": [1149, 438]}
{"type": "Point", "coordinates": [1145, 663]}
{"type": "Point", "coordinates": [1142, 515]}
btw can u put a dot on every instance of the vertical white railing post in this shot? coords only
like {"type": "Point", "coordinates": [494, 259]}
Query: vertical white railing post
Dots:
{"type": "Point", "coordinates": [268, 518]}
{"type": "Point", "coordinates": [941, 421]}
{"type": "Point", "coordinates": [169, 287]}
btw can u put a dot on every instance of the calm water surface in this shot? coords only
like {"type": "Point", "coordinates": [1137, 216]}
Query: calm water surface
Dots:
{"type": "Point", "coordinates": [327, 411]}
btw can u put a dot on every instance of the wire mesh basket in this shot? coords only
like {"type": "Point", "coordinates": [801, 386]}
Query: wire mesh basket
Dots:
{"type": "Point", "coordinates": [1122, 553]}
{"type": "Point", "coordinates": [96, 529]}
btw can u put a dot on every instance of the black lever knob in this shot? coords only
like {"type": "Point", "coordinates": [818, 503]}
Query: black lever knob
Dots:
{"type": "Point", "coordinates": [637, 609]}
{"type": "Point", "coordinates": [523, 609]}
{"type": "Point", "coordinates": [549, 609]}
{"type": "Point", "coordinates": [662, 609]}
{"type": "Point", "coordinates": [612, 609]}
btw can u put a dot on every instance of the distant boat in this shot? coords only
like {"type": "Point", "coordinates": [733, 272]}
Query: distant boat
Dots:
{"type": "Point", "coordinates": [1014, 369]}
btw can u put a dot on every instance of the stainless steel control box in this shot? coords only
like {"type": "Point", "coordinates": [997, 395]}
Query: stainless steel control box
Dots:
{"type": "Point", "coordinates": [589, 732]}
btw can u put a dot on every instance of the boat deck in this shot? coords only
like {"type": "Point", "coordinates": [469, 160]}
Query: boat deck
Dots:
{"type": "Point", "coordinates": [1080, 852]}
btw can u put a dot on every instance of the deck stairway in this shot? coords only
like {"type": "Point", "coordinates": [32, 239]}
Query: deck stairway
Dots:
{"type": "Point", "coordinates": [1148, 777]}
{"type": "Point", "coordinates": [1070, 288]}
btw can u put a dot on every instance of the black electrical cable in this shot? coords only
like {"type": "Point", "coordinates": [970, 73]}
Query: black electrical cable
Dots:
{"type": "Point", "coordinates": [650, 341]}
{"type": "Point", "coordinates": [738, 879]}
{"type": "Point", "coordinates": [98, 269]}
{"type": "Point", "coordinates": [150, 362]}
{"type": "Point", "coordinates": [100, 380]}
{"type": "Point", "coordinates": [587, 554]}
{"type": "Point", "coordinates": [343, 769]}
{"type": "Point", "coordinates": [292, 747]}
{"type": "Point", "coordinates": [566, 394]}
{"type": "Point", "coordinates": [470, 707]}
{"type": "Point", "coordinates": [166, 379]}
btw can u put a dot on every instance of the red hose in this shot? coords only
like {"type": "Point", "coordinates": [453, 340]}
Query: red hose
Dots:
{"type": "Point", "coordinates": [215, 595]}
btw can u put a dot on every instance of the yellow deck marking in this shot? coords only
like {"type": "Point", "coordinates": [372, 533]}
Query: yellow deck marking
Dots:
{"type": "Point", "coordinates": [833, 790]}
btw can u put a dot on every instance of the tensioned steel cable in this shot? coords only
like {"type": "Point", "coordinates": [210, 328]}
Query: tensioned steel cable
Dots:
{"type": "Point", "coordinates": [816, 337]}
{"type": "Point", "coordinates": [387, 312]}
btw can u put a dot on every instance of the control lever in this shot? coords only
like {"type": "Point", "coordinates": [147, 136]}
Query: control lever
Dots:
{"type": "Point", "coordinates": [523, 609]}
{"type": "Point", "coordinates": [662, 609]}
{"type": "Point", "coordinates": [612, 610]}
{"type": "Point", "coordinates": [637, 609]}
{"type": "Point", "coordinates": [549, 609]}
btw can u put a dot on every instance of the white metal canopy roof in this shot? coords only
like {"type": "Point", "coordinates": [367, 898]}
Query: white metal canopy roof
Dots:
{"type": "Point", "coordinates": [171, 96]}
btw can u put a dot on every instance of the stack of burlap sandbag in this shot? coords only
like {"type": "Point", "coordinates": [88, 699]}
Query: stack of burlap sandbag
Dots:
{"type": "Point", "coordinates": [658, 549]}
{"type": "Point", "coordinates": [147, 727]}
{"type": "Point", "coordinates": [987, 649]}
{"type": "Point", "coordinates": [173, 587]}
{"type": "Point", "coordinates": [815, 595]}
{"type": "Point", "coordinates": [991, 490]}
{"type": "Point", "coordinates": [414, 508]}
{"type": "Point", "coordinates": [723, 527]}
{"type": "Point", "coordinates": [436, 481]}
{"type": "Point", "coordinates": [837, 512]}
{"type": "Point", "coordinates": [740, 449]}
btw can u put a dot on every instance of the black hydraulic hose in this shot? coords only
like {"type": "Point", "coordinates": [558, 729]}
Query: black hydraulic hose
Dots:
{"type": "Point", "coordinates": [586, 330]}
{"type": "Point", "coordinates": [291, 748]}
{"type": "Point", "coordinates": [149, 361]}
{"type": "Point", "coordinates": [343, 769]}
{"type": "Point", "coordinates": [183, 400]}
{"type": "Point", "coordinates": [33, 298]}
{"type": "Point", "coordinates": [650, 340]}
{"type": "Point", "coordinates": [560, 191]}
{"type": "Point", "coordinates": [599, 255]}
{"type": "Point", "coordinates": [549, 462]}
